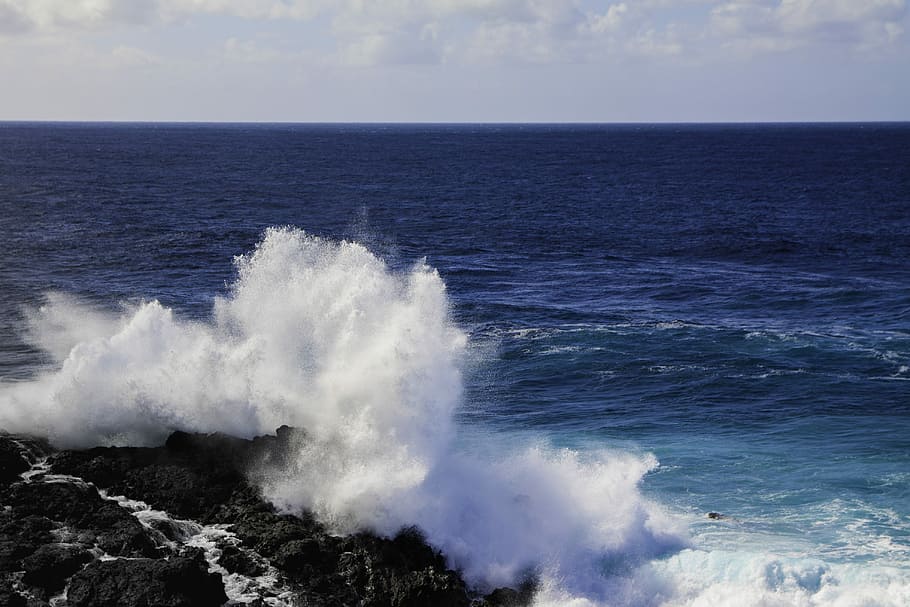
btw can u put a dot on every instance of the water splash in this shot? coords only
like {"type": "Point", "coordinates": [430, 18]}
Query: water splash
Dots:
{"type": "Point", "coordinates": [323, 335]}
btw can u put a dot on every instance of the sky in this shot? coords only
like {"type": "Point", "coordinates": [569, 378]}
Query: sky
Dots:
{"type": "Point", "coordinates": [455, 60]}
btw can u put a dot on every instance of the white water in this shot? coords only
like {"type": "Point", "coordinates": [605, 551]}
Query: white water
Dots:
{"type": "Point", "coordinates": [240, 589]}
{"type": "Point", "coordinates": [322, 335]}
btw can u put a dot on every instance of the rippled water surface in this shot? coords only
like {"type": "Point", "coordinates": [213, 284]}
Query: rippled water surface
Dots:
{"type": "Point", "coordinates": [734, 300]}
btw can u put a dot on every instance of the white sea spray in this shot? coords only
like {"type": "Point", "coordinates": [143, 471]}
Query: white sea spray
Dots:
{"type": "Point", "coordinates": [323, 335]}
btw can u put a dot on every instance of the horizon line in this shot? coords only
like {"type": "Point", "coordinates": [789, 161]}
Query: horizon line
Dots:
{"type": "Point", "coordinates": [456, 122]}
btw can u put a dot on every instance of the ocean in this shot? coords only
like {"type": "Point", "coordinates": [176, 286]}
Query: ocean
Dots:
{"type": "Point", "coordinates": [649, 364]}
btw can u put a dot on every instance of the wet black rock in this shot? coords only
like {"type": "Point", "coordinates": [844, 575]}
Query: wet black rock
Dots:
{"type": "Point", "coordinates": [509, 597]}
{"type": "Point", "coordinates": [79, 506]}
{"type": "Point", "coordinates": [401, 572]}
{"type": "Point", "coordinates": [17, 454]}
{"type": "Point", "coordinates": [20, 536]}
{"type": "Point", "coordinates": [12, 462]}
{"type": "Point", "coordinates": [9, 597]}
{"type": "Point", "coordinates": [302, 557]}
{"type": "Point", "coordinates": [239, 561]}
{"type": "Point", "coordinates": [191, 477]}
{"type": "Point", "coordinates": [50, 565]}
{"type": "Point", "coordinates": [176, 582]}
{"type": "Point", "coordinates": [266, 532]}
{"type": "Point", "coordinates": [174, 530]}
{"type": "Point", "coordinates": [49, 525]}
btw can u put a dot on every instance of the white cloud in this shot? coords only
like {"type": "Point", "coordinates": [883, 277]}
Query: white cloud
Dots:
{"type": "Point", "coordinates": [609, 21]}
{"type": "Point", "coordinates": [237, 50]}
{"type": "Point", "coordinates": [787, 24]}
{"type": "Point", "coordinates": [376, 32]}
{"type": "Point", "coordinates": [130, 56]}
{"type": "Point", "coordinates": [56, 14]}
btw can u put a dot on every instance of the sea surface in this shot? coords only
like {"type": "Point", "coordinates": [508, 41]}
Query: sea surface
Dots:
{"type": "Point", "coordinates": [614, 330]}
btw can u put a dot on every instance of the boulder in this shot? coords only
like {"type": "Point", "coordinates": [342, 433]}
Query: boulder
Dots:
{"type": "Point", "coordinates": [182, 581]}
{"type": "Point", "coordinates": [13, 461]}
{"type": "Point", "coordinates": [50, 565]}
{"type": "Point", "coordinates": [205, 478]}
{"type": "Point", "coordinates": [20, 536]}
{"type": "Point", "coordinates": [510, 597]}
{"type": "Point", "coordinates": [399, 572]}
{"type": "Point", "coordinates": [9, 597]}
{"type": "Point", "coordinates": [239, 561]}
{"type": "Point", "coordinates": [79, 506]}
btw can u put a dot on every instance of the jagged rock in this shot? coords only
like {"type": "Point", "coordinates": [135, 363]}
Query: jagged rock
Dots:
{"type": "Point", "coordinates": [426, 587]}
{"type": "Point", "coordinates": [299, 556]}
{"type": "Point", "coordinates": [503, 597]}
{"type": "Point", "coordinates": [20, 536]}
{"type": "Point", "coordinates": [50, 565]}
{"type": "Point", "coordinates": [411, 547]}
{"type": "Point", "coordinates": [175, 531]}
{"type": "Point", "coordinates": [510, 597]}
{"type": "Point", "coordinates": [267, 532]}
{"type": "Point", "coordinates": [236, 560]}
{"type": "Point", "coordinates": [192, 476]}
{"type": "Point", "coordinates": [205, 478]}
{"type": "Point", "coordinates": [12, 461]}
{"type": "Point", "coordinates": [402, 572]}
{"type": "Point", "coordinates": [182, 488]}
{"type": "Point", "coordinates": [176, 582]}
{"type": "Point", "coordinates": [245, 502]}
{"type": "Point", "coordinates": [115, 530]}
{"type": "Point", "coordinates": [18, 453]}
{"type": "Point", "coordinates": [9, 597]}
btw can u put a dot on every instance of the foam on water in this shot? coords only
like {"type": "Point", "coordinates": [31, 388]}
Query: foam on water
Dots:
{"type": "Point", "coordinates": [323, 335]}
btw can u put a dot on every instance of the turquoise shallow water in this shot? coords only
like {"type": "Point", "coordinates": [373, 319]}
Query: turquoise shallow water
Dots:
{"type": "Point", "coordinates": [733, 300]}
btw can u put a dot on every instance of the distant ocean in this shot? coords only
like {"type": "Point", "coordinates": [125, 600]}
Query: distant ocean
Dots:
{"type": "Point", "coordinates": [555, 348]}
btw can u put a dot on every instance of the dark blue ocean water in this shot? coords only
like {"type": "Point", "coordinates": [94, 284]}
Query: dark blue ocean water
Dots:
{"type": "Point", "coordinates": [734, 299]}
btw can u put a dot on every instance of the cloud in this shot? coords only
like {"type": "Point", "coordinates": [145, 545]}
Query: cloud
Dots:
{"type": "Point", "coordinates": [378, 32]}
{"type": "Point", "coordinates": [130, 56]}
{"type": "Point", "coordinates": [57, 15]}
{"type": "Point", "coordinates": [54, 15]}
{"type": "Point", "coordinates": [787, 24]}
{"type": "Point", "coordinates": [609, 21]}
{"type": "Point", "coordinates": [12, 21]}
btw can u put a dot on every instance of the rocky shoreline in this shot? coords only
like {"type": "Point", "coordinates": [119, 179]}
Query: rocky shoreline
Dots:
{"type": "Point", "coordinates": [182, 526]}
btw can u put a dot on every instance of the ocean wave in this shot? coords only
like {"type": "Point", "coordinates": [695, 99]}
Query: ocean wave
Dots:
{"type": "Point", "coordinates": [324, 336]}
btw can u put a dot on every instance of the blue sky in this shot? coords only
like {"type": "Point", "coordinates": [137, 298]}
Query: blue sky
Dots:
{"type": "Point", "coordinates": [455, 60]}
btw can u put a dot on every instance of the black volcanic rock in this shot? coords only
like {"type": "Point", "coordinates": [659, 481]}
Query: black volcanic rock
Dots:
{"type": "Point", "coordinates": [53, 524]}
{"type": "Point", "coordinates": [176, 582]}
{"type": "Point", "coordinates": [9, 597]}
{"type": "Point", "coordinates": [50, 565]}
{"type": "Point", "coordinates": [303, 557]}
{"type": "Point", "coordinates": [172, 481]}
{"type": "Point", "coordinates": [191, 477]}
{"type": "Point", "coordinates": [239, 561]}
{"type": "Point", "coordinates": [80, 507]}
{"type": "Point", "coordinates": [12, 462]}
{"type": "Point", "coordinates": [401, 572]}
{"type": "Point", "coordinates": [17, 454]}
{"type": "Point", "coordinates": [20, 536]}
{"type": "Point", "coordinates": [506, 597]}
{"type": "Point", "coordinates": [267, 532]}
